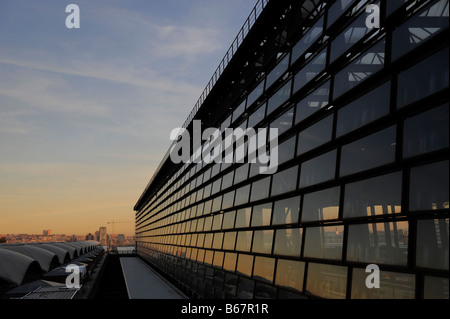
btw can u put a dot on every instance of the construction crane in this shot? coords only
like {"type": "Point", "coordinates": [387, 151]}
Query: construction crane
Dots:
{"type": "Point", "coordinates": [116, 222]}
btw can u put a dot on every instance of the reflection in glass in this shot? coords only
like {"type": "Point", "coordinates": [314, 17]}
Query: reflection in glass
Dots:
{"type": "Point", "coordinates": [227, 180]}
{"type": "Point", "coordinates": [309, 38]}
{"type": "Point", "coordinates": [284, 121]}
{"type": "Point", "coordinates": [228, 220]}
{"type": "Point", "coordinates": [379, 243]}
{"type": "Point", "coordinates": [432, 243]}
{"type": "Point", "coordinates": [217, 242]}
{"type": "Point", "coordinates": [369, 152]}
{"type": "Point", "coordinates": [429, 187]}
{"type": "Point", "coordinates": [423, 79]}
{"type": "Point", "coordinates": [426, 132]}
{"type": "Point", "coordinates": [318, 169]}
{"type": "Point", "coordinates": [229, 262]}
{"type": "Point", "coordinates": [216, 204]}
{"type": "Point", "coordinates": [315, 135]}
{"type": "Point", "coordinates": [288, 242]}
{"type": "Point", "coordinates": [264, 268]}
{"type": "Point", "coordinates": [419, 28]}
{"type": "Point", "coordinates": [245, 288]}
{"type": "Point", "coordinates": [262, 241]}
{"type": "Point", "coordinates": [376, 196]}
{"type": "Point", "coordinates": [393, 285]}
{"type": "Point", "coordinates": [285, 181]}
{"type": "Point", "coordinates": [359, 70]}
{"type": "Point", "coordinates": [245, 264]}
{"type": "Point", "coordinates": [436, 288]}
{"type": "Point", "coordinates": [286, 150]}
{"type": "Point", "coordinates": [326, 281]}
{"type": "Point", "coordinates": [244, 241]}
{"type": "Point", "coordinates": [310, 71]}
{"type": "Point", "coordinates": [238, 111]}
{"type": "Point", "coordinates": [241, 174]}
{"type": "Point", "coordinates": [321, 205]}
{"type": "Point", "coordinates": [278, 98]}
{"type": "Point", "coordinates": [364, 110]}
{"type": "Point", "coordinates": [229, 240]}
{"type": "Point", "coordinates": [290, 274]}
{"type": "Point", "coordinates": [315, 101]}
{"type": "Point", "coordinates": [255, 94]}
{"type": "Point", "coordinates": [228, 199]}
{"type": "Point", "coordinates": [243, 217]}
{"type": "Point", "coordinates": [261, 215]}
{"type": "Point", "coordinates": [277, 71]}
{"type": "Point", "coordinates": [257, 116]}
{"type": "Point", "coordinates": [242, 195]}
{"type": "Point", "coordinates": [324, 242]}
{"type": "Point", "coordinates": [260, 189]}
{"type": "Point", "coordinates": [286, 211]}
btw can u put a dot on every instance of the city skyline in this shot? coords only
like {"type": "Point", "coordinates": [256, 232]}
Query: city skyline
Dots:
{"type": "Point", "coordinates": [85, 114]}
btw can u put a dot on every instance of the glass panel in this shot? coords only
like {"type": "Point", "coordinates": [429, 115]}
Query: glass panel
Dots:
{"type": "Point", "coordinates": [241, 174]}
{"type": "Point", "coordinates": [309, 38]}
{"type": "Point", "coordinates": [216, 186]}
{"type": "Point", "coordinates": [238, 111]}
{"type": "Point", "coordinates": [244, 241]}
{"type": "Point", "coordinates": [208, 223]}
{"type": "Point", "coordinates": [245, 264]}
{"type": "Point", "coordinates": [278, 98]}
{"type": "Point", "coordinates": [392, 6]}
{"type": "Point", "coordinates": [217, 204]}
{"type": "Point", "coordinates": [315, 101]}
{"type": "Point", "coordinates": [245, 288]}
{"type": "Point", "coordinates": [359, 70]}
{"type": "Point", "coordinates": [380, 243]}
{"type": "Point", "coordinates": [286, 211]}
{"type": "Point", "coordinates": [243, 217]}
{"type": "Point", "coordinates": [322, 205]}
{"type": "Point", "coordinates": [423, 79]}
{"type": "Point", "coordinates": [345, 40]}
{"type": "Point", "coordinates": [217, 242]}
{"type": "Point", "coordinates": [242, 195]}
{"type": "Point", "coordinates": [432, 243]}
{"type": "Point", "coordinates": [227, 180]}
{"type": "Point", "coordinates": [217, 222]}
{"type": "Point", "coordinates": [429, 187]}
{"type": "Point", "coordinates": [257, 116]}
{"type": "Point", "coordinates": [229, 240]}
{"type": "Point", "coordinates": [364, 110]}
{"type": "Point", "coordinates": [318, 169]}
{"type": "Point", "coordinates": [337, 9]}
{"type": "Point", "coordinates": [228, 199]}
{"type": "Point", "coordinates": [436, 288]}
{"type": "Point", "coordinates": [277, 71]}
{"type": "Point", "coordinates": [262, 241]}
{"type": "Point", "coordinates": [310, 71]}
{"type": "Point", "coordinates": [369, 152]}
{"type": "Point", "coordinates": [209, 257]}
{"type": "Point", "coordinates": [286, 150]}
{"type": "Point", "coordinates": [393, 285]}
{"type": "Point", "coordinates": [255, 94]}
{"type": "Point", "coordinates": [426, 132]}
{"type": "Point", "coordinates": [230, 285]}
{"type": "Point", "coordinates": [208, 240]}
{"type": "Point", "coordinates": [376, 196]}
{"type": "Point", "coordinates": [218, 259]}
{"type": "Point", "coordinates": [324, 242]}
{"type": "Point", "coordinates": [229, 262]}
{"type": "Point", "coordinates": [419, 28]}
{"type": "Point", "coordinates": [284, 181]}
{"type": "Point", "coordinates": [327, 281]}
{"type": "Point", "coordinates": [288, 242]}
{"type": "Point", "coordinates": [284, 121]}
{"type": "Point", "coordinates": [290, 274]}
{"type": "Point", "coordinates": [264, 268]}
{"type": "Point", "coordinates": [260, 189]}
{"type": "Point", "coordinates": [261, 215]}
{"type": "Point", "coordinates": [315, 135]}
{"type": "Point", "coordinates": [265, 291]}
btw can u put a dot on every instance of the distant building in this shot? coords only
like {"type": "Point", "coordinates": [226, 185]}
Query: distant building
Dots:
{"type": "Point", "coordinates": [102, 236]}
{"type": "Point", "coordinates": [89, 237]}
{"type": "Point", "coordinates": [47, 232]}
{"type": "Point", "coordinates": [120, 239]}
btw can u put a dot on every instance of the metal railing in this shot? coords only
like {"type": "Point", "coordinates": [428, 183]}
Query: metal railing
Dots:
{"type": "Point", "coordinates": [245, 29]}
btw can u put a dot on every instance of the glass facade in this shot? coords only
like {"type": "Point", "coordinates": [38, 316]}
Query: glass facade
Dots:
{"type": "Point", "coordinates": [363, 163]}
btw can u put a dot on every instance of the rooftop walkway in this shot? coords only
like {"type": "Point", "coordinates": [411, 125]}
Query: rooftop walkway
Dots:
{"type": "Point", "coordinates": [144, 283]}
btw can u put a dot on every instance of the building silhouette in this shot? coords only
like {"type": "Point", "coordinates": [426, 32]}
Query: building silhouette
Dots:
{"type": "Point", "coordinates": [363, 160]}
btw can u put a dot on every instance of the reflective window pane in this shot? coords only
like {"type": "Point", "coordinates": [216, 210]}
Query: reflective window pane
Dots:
{"type": "Point", "coordinates": [241, 173]}
{"type": "Point", "coordinates": [278, 98]}
{"type": "Point", "coordinates": [286, 211]}
{"type": "Point", "coordinates": [364, 110]}
{"type": "Point", "coordinates": [242, 195]}
{"type": "Point", "coordinates": [432, 243]}
{"type": "Point", "coordinates": [309, 38]}
{"type": "Point", "coordinates": [319, 169]}
{"type": "Point", "coordinates": [324, 242]}
{"type": "Point", "coordinates": [379, 243]}
{"type": "Point", "coordinates": [228, 199]}
{"type": "Point", "coordinates": [393, 285]}
{"type": "Point", "coordinates": [264, 268]}
{"type": "Point", "coordinates": [229, 262]}
{"type": "Point", "coordinates": [257, 116]}
{"type": "Point", "coordinates": [321, 205]}
{"type": "Point", "coordinates": [261, 215]}
{"type": "Point", "coordinates": [315, 135]}
{"type": "Point", "coordinates": [376, 196]}
{"type": "Point", "coordinates": [423, 79]}
{"type": "Point", "coordinates": [315, 101]}
{"type": "Point", "coordinates": [245, 288]}
{"type": "Point", "coordinates": [262, 241]}
{"type": "Point", "coordinates": [244, 240]}
{"type": "Point", "coordinates": [245, 264]}
{"type": "Point", "coordinates": [284, 181]}
{"type": "Point", "coordinates": [369, 152]}
{"type": "Point", "coordinates": [286, 150]}
{"type": "Point", "coordinates": [229, 240]}
{"type": "Point", "coordinates": [429, 187]}
{"type": "Point", "coordinates": [290, 274]}
{"type": "Point", "coordinates": [284, 121]}
{"type": "Point", "coordinates": [288, 242]}
{"type": "Point", "coordinates": [243, 217]}
{"type": "Point", "coordinates": [255, 94]}
{"type": "Point", "coordinates": [436, 288]}
{"type": "Point", "coordinates": [277, 71]}
{"type": "Point", "coordinates": [228, 220]}
{"type": "Point", "coordinates": [260, 189]}
{"type": "Point", "coordinates": [310, 71]}
{"type": "Point", "coordinates": [327, 281]}
{"type": "Point", "coordinates": [426, 132]}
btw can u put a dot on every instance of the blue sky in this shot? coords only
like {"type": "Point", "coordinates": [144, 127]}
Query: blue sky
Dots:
{"type": "Point", "coordinates": [86, 114]}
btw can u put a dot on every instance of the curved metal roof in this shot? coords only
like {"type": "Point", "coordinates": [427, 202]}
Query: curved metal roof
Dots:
{"type": "Point", "coordinates": [45, 258]}
{"type": "Point", "coordinates": [14, 266]}
{"type": "Point", "coordinates": [62, 254]}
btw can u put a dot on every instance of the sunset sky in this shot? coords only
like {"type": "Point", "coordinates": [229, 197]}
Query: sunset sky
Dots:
{"type": "Point", "coordinates": [86, 114]}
